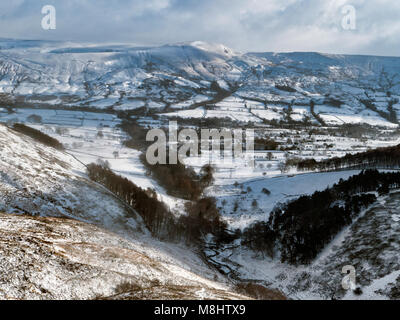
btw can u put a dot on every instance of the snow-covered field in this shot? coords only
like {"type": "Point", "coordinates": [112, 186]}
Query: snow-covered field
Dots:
{"type": "Point", "coordinates": [246, 202]}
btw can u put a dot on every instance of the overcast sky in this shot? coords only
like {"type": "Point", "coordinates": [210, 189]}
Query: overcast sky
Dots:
{"type": "Point", "coordinates": [244, 25]}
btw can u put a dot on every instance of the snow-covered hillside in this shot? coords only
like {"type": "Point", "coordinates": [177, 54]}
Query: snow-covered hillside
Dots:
{"type": "Point", "coordinates": [344, 89]}
{"type": "Point", "coordinates": [54, 258]}
{"type": "Point", "coordinates": [40, 181]}
{"type": "Point", "coordinates": [91, 244]}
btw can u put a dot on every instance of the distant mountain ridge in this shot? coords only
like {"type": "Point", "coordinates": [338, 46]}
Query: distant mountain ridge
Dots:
{"type": "Point", "coordinates": [177, 76]}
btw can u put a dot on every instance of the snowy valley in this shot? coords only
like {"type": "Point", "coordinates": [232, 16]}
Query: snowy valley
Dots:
{"type": "Point", "coordinates": [302, 106]}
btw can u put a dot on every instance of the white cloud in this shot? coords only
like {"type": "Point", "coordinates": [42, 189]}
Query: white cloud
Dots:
{"type": "Point", "coordinates": [251, 25]}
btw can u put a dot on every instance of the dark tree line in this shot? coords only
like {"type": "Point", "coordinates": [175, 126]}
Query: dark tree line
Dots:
{"type": "Point", "coordinates": [315, 115]}
{"type": "Point", "coordinates": [333, 102]}
{"type": "Point", "coordinates": [386, 157]}
{"type": "Point", "coordinates": [353, 130]}
{"type": "Point", "coordinates": [202, 215]}
{"type": "Point", "coordinates": [38, 136]}
{"type": "Point", "coordinates": [300, 229]}
{"type": "Point", "coordinates": [285, 88]}
{"type": "Point", "coordinates": [390, 115]}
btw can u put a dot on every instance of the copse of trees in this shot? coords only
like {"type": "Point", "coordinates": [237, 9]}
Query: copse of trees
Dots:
{"type": "Point", "coordinates": [203, 218]}
{"type": "Point", "coordinates": [179, 180]}
{"type": "Point", "coordinates": [38, 135]}
{"type": "Point", "coordinates": [137, 135]}
{"type": "Point", "coordinates": [206, 175]}
{"type": "Point", "coordinates": [300, 229]}
{"type": "Point", "coordinates": [265, 144]}
{"type": "Point", "coordinates": [354, 130]}
{"type": "Point", "coordinates": [304, 227]}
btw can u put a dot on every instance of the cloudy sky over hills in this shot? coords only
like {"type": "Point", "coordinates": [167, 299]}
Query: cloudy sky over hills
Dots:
{"type": "Point", "coordinates": [245, 25]}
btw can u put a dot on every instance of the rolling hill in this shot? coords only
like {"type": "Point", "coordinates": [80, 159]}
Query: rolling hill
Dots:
{"type": "Point", "coordinates": [192, 75]}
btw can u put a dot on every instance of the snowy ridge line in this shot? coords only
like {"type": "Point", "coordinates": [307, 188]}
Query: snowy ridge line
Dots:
{"type": "Point", "coordinates": [177, 74]}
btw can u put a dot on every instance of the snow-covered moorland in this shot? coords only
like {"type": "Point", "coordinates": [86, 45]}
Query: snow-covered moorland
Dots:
{"type": "Point", "coordinates": [301, 105]}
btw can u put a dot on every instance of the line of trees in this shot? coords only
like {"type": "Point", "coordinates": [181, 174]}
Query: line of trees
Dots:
{"type": "Point", "coordinates": [154, 213]}
{"type": "Point", "coordinates": [300, 229]}
{"type": "Point", "coordinates": [391, 115]}
{"type": "Point", "coordinates": [202, 215]}
{"type": "Point", "coordinates": [315, 115]}
{"type": "Point", "coordinates": [385, 157]}
{"type": "Point", "coordinates": [38, 136]}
